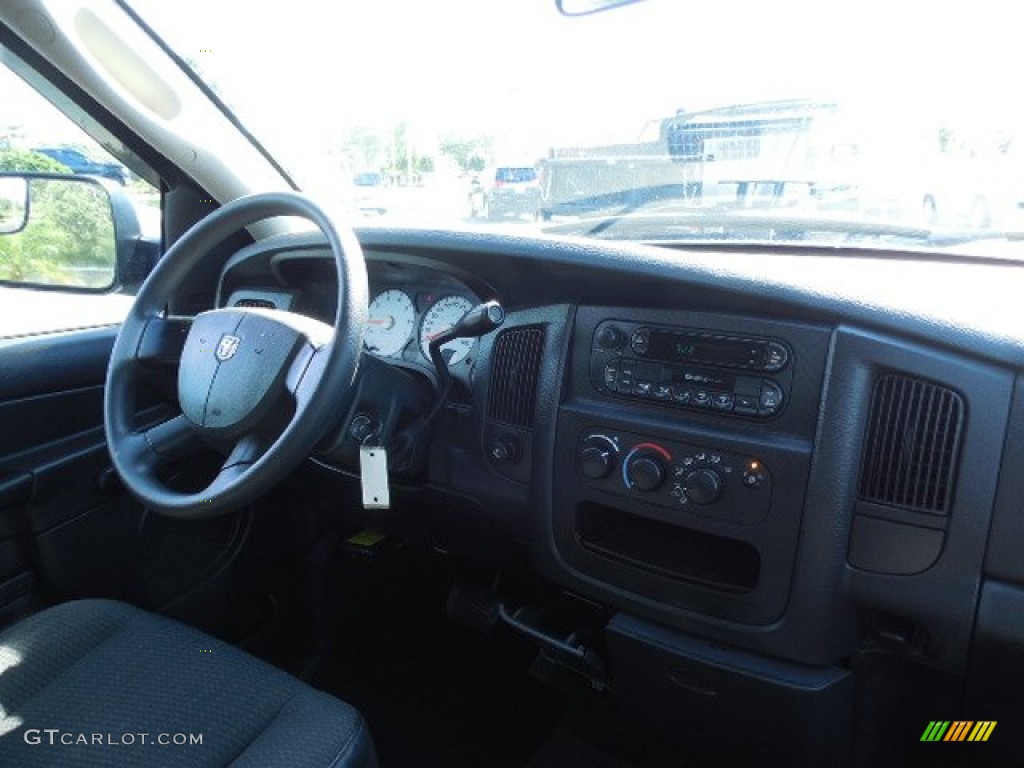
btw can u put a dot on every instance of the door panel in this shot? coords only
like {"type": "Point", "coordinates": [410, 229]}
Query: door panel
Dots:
{"type": "Point", "coordinates": [49, 364]}
{"type": "Point", "coordinates": [51, 415]}
{"type": "Point", "coordinates": [67, 529]}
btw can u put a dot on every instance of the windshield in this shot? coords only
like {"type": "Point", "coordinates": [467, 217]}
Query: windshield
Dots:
{"type": "Point", "coordinates": [864, 122]}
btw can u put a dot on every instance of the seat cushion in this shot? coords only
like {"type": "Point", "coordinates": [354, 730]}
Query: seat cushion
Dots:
{"type": "Point", "coordinates": [101, 683]}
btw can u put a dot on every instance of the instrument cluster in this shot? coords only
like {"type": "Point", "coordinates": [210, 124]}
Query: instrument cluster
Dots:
{"type": "Point", "coordinates": [402, 321]}
{"type": "Point", "coordinates": [410, 304]}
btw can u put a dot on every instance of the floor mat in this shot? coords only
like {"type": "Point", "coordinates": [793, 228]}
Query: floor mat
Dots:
{"type": "Point", "coordinates": [565, 749]}
{"type": "Point", "coordinates": [433, 692]}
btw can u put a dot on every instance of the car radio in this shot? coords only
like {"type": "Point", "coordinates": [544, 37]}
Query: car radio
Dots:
{"type": "Point", "coordinates": [690, 368]}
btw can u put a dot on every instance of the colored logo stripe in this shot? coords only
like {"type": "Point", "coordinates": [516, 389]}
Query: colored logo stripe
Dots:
{"type": "Point", "coordinates": [935, 730]}
{"type": "Point", "coordinates": [982, 730]}
{"type": "Point", "coordinates": [958, 730]}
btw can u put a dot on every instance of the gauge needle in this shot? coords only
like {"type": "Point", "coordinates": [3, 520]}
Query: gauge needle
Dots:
{"type": "Point", "coordinates": [388, 321]}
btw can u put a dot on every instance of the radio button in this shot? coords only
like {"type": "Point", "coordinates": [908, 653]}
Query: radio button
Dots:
{"type": "Point", "coordinates": [771, 399]}
{"type": "Point", "coordinates": [776, 357]}
{"type": "Point", "coordinates": [745, 405]}
{"type": "Point", "coordinates": [611, 373]}
{"type": "Point", "coordinates": [662, 391]}
{"type": "Point", "coordinates": [722, 401]}
{"type": "Point", "coordinates": [682, 395]}
{"type": "Point", "coordinates": [702, 399]}
{"type": "Point", "coordinates": [642, 389]}
{"type": "Point", "coordinates": [626, 376]}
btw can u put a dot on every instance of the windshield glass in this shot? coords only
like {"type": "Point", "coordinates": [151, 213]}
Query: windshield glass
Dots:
{"type": "Point", "coordinates": [873, 123]}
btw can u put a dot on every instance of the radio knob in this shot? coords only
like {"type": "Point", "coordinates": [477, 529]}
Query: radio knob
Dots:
{"type": "Point", "coordinates": [597, 459]}
{"type": "Point", "coordinates": [703, 486]}
{"type": "Point", "coordinates": [609, 337]}
{"type": "Point", "coordinates": [645, 473]}
{"type": "Point", "coordinates": [639, 340]}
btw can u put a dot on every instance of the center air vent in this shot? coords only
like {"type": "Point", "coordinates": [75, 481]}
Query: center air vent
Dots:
{"type": "Point", "coordinates": [515, 374]}
{"type": "Point", "coordinates": [913, 445]}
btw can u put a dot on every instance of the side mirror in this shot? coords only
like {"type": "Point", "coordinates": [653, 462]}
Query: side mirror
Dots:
{"type": "Point", "coordinates": [13, 204]}
{"type": "Point", "coordinates": [72, 233]}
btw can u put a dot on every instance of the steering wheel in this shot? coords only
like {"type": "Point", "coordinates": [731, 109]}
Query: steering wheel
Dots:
{"type": "Point", "coordinates": [264, 385]}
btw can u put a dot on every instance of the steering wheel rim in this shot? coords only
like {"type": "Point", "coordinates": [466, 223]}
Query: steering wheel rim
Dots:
{"type": "Point", "coordinates": [314, 373]}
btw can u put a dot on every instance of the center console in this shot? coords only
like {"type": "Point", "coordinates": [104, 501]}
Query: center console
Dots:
{"type": "Point", "coordinates": [682, 454]}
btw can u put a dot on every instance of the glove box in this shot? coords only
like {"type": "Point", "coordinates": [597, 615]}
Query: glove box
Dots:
{"type": "Point", "coordinates": [731, 706]}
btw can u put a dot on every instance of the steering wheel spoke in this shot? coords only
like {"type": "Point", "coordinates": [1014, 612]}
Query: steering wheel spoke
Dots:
{"type": "Point", "coordinates": [305, 373]}
{"type": "Point", "coordinates": [172, 439]}
{"type": "Point", "coordinates": [233, 470]}
{"type": "Point", "coordinates": [163, 340]}
{"type": "Point", "coordinates": [158, 445]}
{"type": "Point", "coordinates": [247, 451]}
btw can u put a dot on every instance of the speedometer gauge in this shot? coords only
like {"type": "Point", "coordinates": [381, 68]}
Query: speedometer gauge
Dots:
{"type": "Point", "coordinates": [390, 323]}
{"type": "Point", "coordinates": [441, 317]}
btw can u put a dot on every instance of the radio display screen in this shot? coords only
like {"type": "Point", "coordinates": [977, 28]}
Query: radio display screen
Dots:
{"type": "Point", "coordinates": [696, 348]}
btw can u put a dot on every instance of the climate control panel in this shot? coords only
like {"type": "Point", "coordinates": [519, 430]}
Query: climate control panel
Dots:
{"type": "Point", "coordinates": [697, 479]}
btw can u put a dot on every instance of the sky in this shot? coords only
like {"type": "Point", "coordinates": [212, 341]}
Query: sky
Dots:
{"type": "Point", "coordinates": [305, 74]}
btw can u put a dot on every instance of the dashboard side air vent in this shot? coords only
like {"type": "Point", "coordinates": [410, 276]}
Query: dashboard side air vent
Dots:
{"type": "Point", "coordinates": [913, 445]}
{"type": "Point", "coordinates": [515, 374]}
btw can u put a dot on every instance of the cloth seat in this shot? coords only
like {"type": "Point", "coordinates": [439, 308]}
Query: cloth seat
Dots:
{"type": "Point", "coordinates": [101, 683]}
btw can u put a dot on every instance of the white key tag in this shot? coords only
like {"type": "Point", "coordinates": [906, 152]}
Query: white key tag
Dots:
{"type": "Point", "coordinates": [373, 471]}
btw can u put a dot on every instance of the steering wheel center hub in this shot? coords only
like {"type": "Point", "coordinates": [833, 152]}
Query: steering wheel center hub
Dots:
{"type": "Point", "coordinates": [233, 369]}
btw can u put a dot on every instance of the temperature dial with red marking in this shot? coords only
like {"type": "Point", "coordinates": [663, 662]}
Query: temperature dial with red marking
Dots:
{"type": "Point", "coordinates": [644, 467]}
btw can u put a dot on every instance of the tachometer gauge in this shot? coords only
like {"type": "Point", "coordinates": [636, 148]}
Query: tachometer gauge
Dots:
{"type": "Point", "coordinates": [445, 313]}
{"type": "Point", "coordinates": [390, 323]}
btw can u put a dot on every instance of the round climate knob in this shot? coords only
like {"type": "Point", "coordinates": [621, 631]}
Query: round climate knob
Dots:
{"type": "Point", "coordinates": [703, 486]}
{"type": "Point", "coordinates": [596, 462]}
{"type": "Point", "coordinates": [645, 473]}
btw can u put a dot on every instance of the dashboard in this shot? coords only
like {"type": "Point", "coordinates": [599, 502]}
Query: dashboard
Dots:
{"type": "Point", "coordinates": [758, 460]}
